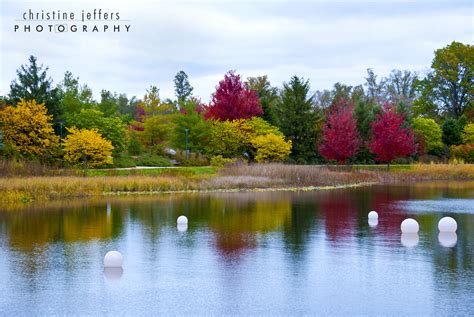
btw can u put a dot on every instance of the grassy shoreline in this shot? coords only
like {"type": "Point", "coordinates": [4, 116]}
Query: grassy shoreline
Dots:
{"type": "Point", "coordinates": [264, 177]}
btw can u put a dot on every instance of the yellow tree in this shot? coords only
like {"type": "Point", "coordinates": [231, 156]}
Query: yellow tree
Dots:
{"type": "Point", "coordinates": [87, 147]}
{"type": "Point", "coordinates": [27, 129]}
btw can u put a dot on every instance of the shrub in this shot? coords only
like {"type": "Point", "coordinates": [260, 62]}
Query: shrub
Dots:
{"type": "Point", "coordinates": [234, 138]}
{"type": "Point", "coordinates": [153, 160]}
{"type": "Point", "coordinates": [464, 152]}
{"type": "Point", "coordinates": [220, 161]}
{"type": "Point", "coordinates": [427, 158]}
{"type": "Point", "coordinates": [87, 147]}
{"type": "Point", "coordinates": [123, 160]}
{"type": "Point", "coordinates": [431, 133]}
{"type": "Point", "coordinates": [225, 139]}
{"type": "Point", "coordinates": [271, 147]}
{"type": "Point", "coordinates": [194, 159]}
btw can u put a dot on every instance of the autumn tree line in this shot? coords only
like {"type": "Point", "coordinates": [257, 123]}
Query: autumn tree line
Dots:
{"type": "Point", "coordinates": [401, 118]}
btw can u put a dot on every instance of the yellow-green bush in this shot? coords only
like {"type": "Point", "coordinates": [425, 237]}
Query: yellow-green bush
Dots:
{"type": "Point", "coordinates": [220, 161]}
{"type": "Point", "coordinates": [234, 138]}
{"type": "Point", "coordinates": [271, 147]}
{"type": "Point", "coordinates": [468, 134]}
{"type": "Point", "coordinates": [430, 131]}
{"type": "Point", "coordinates": [225, 139]}
{"type": "Point", "coordinates": [87, 147]}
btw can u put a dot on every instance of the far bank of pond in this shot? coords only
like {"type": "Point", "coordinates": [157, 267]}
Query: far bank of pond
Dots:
{"type": "Point", "coordinates": [262, 177]}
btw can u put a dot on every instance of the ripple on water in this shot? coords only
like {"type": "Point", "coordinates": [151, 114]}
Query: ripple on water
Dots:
{"type": "Point", "coordinates": [464, 206]}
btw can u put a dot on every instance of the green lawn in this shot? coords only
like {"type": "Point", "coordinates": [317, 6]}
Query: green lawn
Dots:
{"type": "Point", "coordinates": [175, 171]}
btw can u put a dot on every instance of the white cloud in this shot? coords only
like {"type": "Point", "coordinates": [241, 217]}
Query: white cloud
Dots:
{"type": "Point", "coordinates": [325, 41]}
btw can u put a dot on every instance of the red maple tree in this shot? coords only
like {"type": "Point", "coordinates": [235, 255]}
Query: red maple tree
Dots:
{"type": "Point", "coordinates": [340, 137]}
{"type": "Point", "coordinates": [389, 139]}
{"type": "Point", "coordinates": [233, 100]}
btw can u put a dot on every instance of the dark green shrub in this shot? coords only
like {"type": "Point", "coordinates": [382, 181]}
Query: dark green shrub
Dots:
{"type": "Point", "coordinates": [153, 160]}
{"type": "Point", "coordinates": [123, 160]}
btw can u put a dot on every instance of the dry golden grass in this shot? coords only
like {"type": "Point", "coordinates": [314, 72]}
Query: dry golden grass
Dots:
{"type": "Point", "coordinates": [48, 188]}
{"type": "Point", "coordinates": [302, 175]}
{"type": "Point", "coordinates": [24, 168]}
{"type": "Point", "coordinates": [258, 176]}
{"type": "Point", "coordinates": [428, 172]}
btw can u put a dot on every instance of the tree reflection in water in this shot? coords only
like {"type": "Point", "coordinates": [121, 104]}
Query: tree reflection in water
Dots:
{"type": "Point", "coordinates": [234, 226]}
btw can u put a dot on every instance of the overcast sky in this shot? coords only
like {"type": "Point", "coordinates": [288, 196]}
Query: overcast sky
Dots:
{"type": "Point", "coordinates": [325, 41]}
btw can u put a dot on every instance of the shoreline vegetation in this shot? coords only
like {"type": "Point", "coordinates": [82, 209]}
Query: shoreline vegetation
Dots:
{"type": "Point", "coordinates": [48, 185]}
{"type": "Point", "coordinates": [56, 140]}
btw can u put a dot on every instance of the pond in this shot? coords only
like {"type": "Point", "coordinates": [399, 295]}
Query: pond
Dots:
{"type": "Point", "coordinates": [249, 253]}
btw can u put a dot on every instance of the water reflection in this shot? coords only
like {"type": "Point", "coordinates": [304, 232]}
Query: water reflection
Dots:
{"type": "Point", "coordinates": [447, 239]}
{"type": "Point", "coordinates": [373, 222]}
{"type": "Point", "coordinates": [409, 240]}
{"type": "Point", "coordinates": [182, 227]}
{"type": "Point", "coordinates": [244, 244]}
{"type": "Point", "coordinates": [113, 273]}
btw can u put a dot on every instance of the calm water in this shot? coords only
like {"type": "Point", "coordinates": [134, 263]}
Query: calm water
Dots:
{"type": "Point", "coordinates": [243, 254]}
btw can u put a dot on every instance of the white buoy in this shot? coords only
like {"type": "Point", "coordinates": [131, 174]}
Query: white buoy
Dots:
{"type": "Point", "coordinates": [373, 215]}
{"type": "Point", "coordinates": [447, 239]}
{"type": "Point", "coordinates": [182, 220]}
{"type": "Point", "coordinates": [182, 227]}
{"type": "Point", "coordinates": [447, 224]}
{"type": "Point", "coordinates": [410, 240]}
{"type": "Point", "coordinates": [113, 259]}
{"type": "Point", "coordinates": [409, 225]}
{"type": "Point", "coordinates": [373, 222]}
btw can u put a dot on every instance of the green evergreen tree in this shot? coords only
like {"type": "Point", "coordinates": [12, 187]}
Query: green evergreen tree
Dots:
{"type": "Point", "coordinates": [33, 83]}
{"type": "Point", "coordinates": [297, 119]}
{"type": "Point", "coordinates": [452, 130]}
{"type": "Point", "coordinates": [364, 113]}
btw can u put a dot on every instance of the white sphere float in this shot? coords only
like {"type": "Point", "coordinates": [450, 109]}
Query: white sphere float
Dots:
{"type": "Point", "coordinates": [447, 224]}
{"type": "Point", "coordinates": [373, 215]}
{"type": "Point", "coordinates": [447, 239]}
{"type": "Point", "coordinates": [113, 259]}
{"type": "Point", "coordinates": [182, 220]}
{"type": "Point", "coordinates": [410, 240]}
{"type": "Point", "coordinates": [409, 225]}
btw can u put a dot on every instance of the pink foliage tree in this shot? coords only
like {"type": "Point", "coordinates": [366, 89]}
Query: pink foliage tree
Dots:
{"type": "Point", "coordinates": [340, 137]}
{"type": "Point", "coordinates": [233, 100]}
{"type": "Point", "coordinates": [390, 140]}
